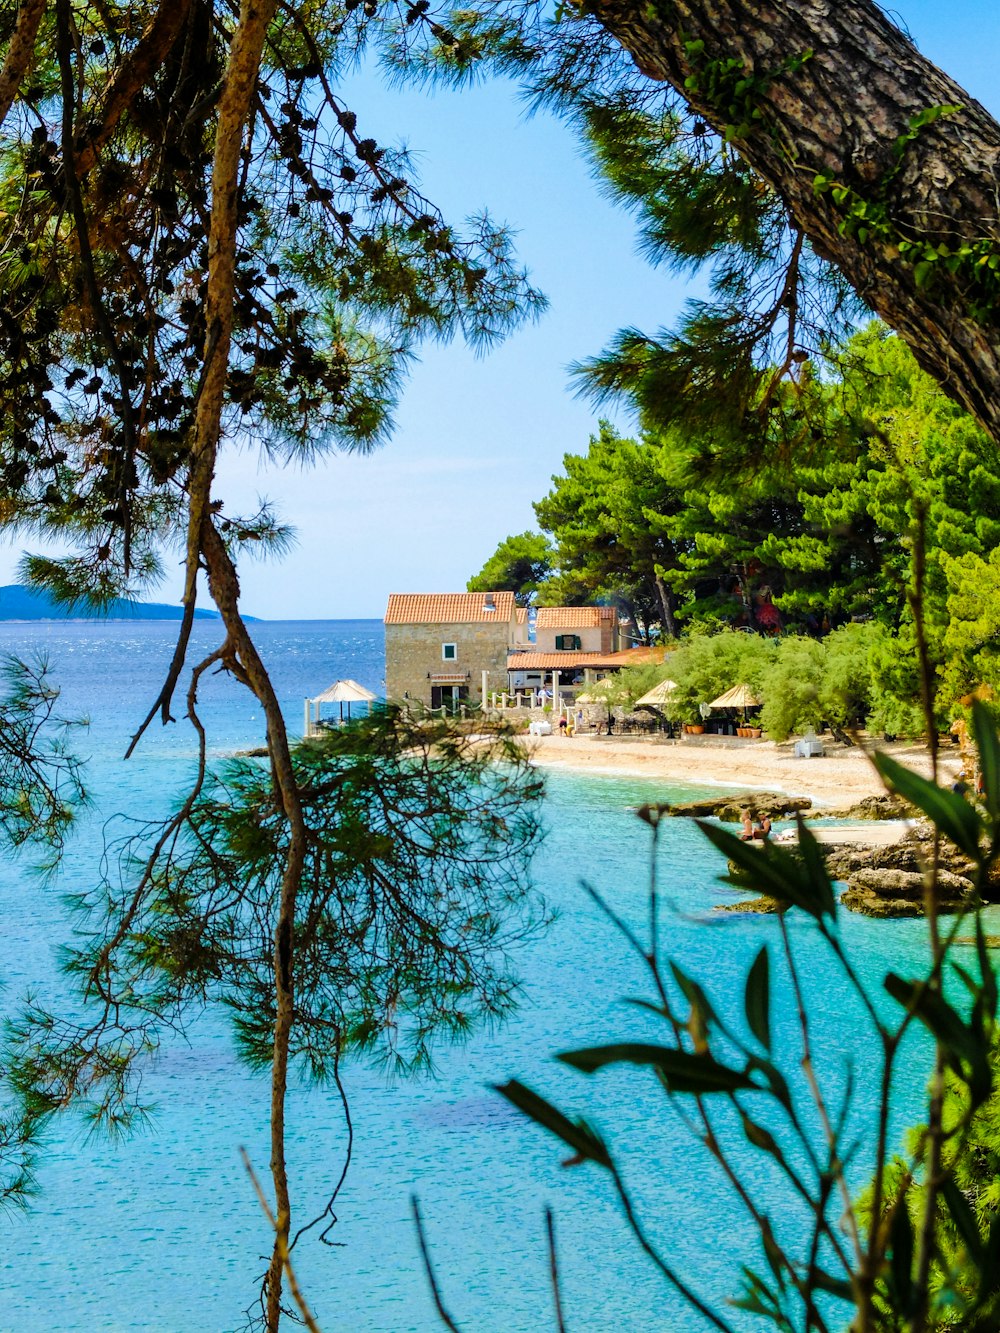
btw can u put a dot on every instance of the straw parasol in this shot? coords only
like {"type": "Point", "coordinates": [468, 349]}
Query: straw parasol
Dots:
{"type": "Point", "coordinates": [658, 695]}
{"type": "Point", "coordinates": [740, 696]}
{"type": "Point", "coordinates": [345, 692]}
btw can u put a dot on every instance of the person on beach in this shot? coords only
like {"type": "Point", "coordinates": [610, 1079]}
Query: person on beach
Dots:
{"type": "Point", "coordinates": [763, 830]}
{"type": "Point", "coordinates": [747, 834]}
{"type": "Point", "coordinates": [562, 726]}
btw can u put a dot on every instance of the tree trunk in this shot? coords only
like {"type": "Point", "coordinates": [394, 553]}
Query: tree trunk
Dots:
{"type": "Point", "coordinates": [667, 607]}
{"type": "Point", "coordinates": [19, 52]}
{"type": "Point", "coordinates": [839, 115]}
{"type": "Point", "coordinates": [206, 548]}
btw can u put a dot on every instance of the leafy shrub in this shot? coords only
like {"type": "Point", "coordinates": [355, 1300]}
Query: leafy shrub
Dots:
{"type": "Point", "coordinates": [846, 685]}
{"type": "Point", "coordinates": [706, 665]}
{"type": "Point", "coordinates": [792, 687]}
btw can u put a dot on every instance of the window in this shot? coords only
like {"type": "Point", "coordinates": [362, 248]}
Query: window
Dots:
{"type": "Point", "coordinates": [568, 642]}
{"type": "Point", "coordinates": [449, 652]}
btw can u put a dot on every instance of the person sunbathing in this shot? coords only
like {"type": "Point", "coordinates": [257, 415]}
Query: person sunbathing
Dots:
{"type": "Point", "coordinates": [763, 830]}
{"type": "Point", "coordinates": [748, 833]}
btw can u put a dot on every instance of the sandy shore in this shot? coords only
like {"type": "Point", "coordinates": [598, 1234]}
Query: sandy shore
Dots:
{"type": "Point", "coordinates": [841, 777]}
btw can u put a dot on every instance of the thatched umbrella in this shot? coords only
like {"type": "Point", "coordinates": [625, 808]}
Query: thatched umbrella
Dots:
{"type": "Point", "coordinates": [344, 692]}
{"type": "Point", "coordinates": [658, 695]}
{"type": "Point", "coordinates": [740, 696]}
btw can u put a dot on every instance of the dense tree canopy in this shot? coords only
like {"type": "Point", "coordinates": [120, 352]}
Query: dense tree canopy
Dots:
{"type": "Point", "coordinates": [605, 515]}
{"type": "Point", "coordinates": [895, 473]}
{"type": "Point", "coordinates": [519, 565]}
{"type": "Point", "coordinates": [879, 158]}
{"type": "Point", "coordinates": [200, 242]}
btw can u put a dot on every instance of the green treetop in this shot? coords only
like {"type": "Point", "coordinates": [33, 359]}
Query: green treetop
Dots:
{"type": "Point", "coordinates": [605, 518]}
{"type": "Point", "coordinates": [520, 565]}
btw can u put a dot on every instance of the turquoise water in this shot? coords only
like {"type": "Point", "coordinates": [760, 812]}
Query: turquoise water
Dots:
{"type": "Point", "coordinates": [163, 1233]}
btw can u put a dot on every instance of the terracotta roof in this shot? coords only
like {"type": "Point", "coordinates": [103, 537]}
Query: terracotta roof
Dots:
{"type": "Point", "coordinates": [556, 661]}
{"type": "Point", "coordinates": [575, 660]}
{"type": "Point", "coordinates": [574, 617]}
{"type": "Point", "coordinates": [522, 614]}
{"type": "Point", "coordinates": [447, 608]}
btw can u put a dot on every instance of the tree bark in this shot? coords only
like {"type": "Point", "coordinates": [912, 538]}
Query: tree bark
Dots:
{"type": "Point", "coordinates": [666, 606]}
{"type": "Point", "coordinates": [840, 114]}
{"type": "Point", "coordinates": [19, 52]}
{"type": "Point", "coordinates": [152, 48]}
{"type": "Point", "coordinates": [204, 545]}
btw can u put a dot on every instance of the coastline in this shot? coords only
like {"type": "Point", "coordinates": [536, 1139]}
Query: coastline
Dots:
{"type": "Point", "coordinates": [837, 780]}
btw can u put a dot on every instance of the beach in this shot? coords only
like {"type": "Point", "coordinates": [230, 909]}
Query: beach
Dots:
{"type": "Point", "coordinates": [835, 781]}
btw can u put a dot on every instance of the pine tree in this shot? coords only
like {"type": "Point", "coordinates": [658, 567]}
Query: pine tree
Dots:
{"type": "Point", "coordinates": [201, 245]}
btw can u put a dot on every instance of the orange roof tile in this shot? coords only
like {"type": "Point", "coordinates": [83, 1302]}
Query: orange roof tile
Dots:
{"type": "Point", "coordinates": [522, 614]}
{"type": "Point", "coordinates": [574, 660]}
{"type": "Point", "coordinates": [574, 617]}
{"type": "Point", "coordinates": [446, 608]}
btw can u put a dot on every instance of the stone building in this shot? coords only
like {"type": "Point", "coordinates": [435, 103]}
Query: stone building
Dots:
{"type": "Point", "coordinates": [589, 629]}
{"type": "Point", "coordinates": [438, 645]}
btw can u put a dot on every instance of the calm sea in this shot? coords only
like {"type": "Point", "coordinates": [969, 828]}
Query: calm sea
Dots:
{"type": "Point", "coordinates": [162, 1232]}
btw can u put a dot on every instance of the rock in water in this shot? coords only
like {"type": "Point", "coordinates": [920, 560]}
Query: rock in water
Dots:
{"type": "Point", "coordinates": [887, 893]}
{"type": "Point", "coordinates": [730, 808]}
{"type": "Point", "coordinates": [752, 905]}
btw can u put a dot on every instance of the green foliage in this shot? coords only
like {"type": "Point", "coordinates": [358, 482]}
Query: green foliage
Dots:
{"type": "Point", "coordinates": [706, 665]}
{"type": "Point", "coordinates": [965, 1218]}
{"type": "Point", "coordinates": [791, 688]}
{"type": "Point", "coordinates": [921, 1249]}
{"type": "Point", "coordinates": [41, 778]}
{"type": "Point", "coordinates": [606, 516]}
{"type": "Point", "coordinates": [868, 217]}
{"type": "Point", "coordinates": [341, 268]}
{"type": "Point", "coordinates": [818, 536]}
{"type": "Point", "coordinates": [414, 892]}
{"type": "Point", "coordinates": [622, 688]}
{"type": "Point", "coordinates": [41, 793]}
{"type": "Point", "coordinates": [845, 686]}
{"type": "Point", "coordinates": [520, 565]}
{"type": "Point", "coordinates": [732, 89]}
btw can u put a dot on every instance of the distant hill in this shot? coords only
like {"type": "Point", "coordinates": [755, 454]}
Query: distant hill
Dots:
{"type": "Point", "coordinates": [17, 603]}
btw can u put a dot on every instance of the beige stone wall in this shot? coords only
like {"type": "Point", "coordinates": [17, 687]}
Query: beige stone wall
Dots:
{"type": "Point", "coordinates": [413, 652]}
{"type": "Point", "coordinates": [593, 639]}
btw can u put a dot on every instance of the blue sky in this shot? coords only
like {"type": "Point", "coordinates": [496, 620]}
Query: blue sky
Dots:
{"type": "Point", "coordinates": [478, 438]}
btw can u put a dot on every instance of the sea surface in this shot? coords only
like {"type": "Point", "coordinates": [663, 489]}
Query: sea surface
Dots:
{"type": "Point", "coordinates": [162, 1231]}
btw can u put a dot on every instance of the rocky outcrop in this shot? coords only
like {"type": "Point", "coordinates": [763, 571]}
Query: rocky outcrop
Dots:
{"type": "Point", "coordinates": [751, 905]}
{"type": "Point", "coordinates": [885, 881]}
{"type": "Point", "coordinates": [901, 892]}
{"type": "Point", "coordinates": [876, 808]}
{"type": "Point", "coordinates": [730, 808]}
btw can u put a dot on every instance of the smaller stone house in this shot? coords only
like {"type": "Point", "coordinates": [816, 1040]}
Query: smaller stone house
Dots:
{"type": "Point", "coordinates": [569, 629]}
{"type": "Point", "coordinates": [438, 645]}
